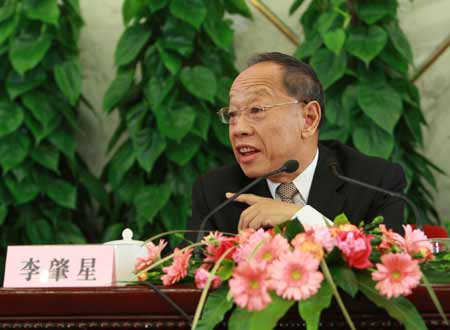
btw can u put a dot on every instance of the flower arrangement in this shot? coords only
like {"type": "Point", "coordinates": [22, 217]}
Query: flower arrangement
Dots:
{"type": "Point", "coordinates": [263, 273]}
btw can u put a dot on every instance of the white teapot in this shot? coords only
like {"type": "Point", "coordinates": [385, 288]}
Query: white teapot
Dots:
{"type": "Point", "coordinates": [126, 251]}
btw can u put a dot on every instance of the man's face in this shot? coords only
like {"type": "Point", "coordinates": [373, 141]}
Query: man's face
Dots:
{"type": "Point", "coordinates": [265, 145]}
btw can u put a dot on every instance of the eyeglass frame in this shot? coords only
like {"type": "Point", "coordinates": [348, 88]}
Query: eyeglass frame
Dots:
{"type": "Point", "coordinates": [221, 112]}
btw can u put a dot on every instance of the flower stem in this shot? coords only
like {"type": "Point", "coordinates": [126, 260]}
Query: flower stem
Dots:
{"type": "Point", "coordinates": [202, 300]}
{"type": "Point", "coordinates": [434, 298]}
{"type": "Point", "coordinates": [329, 278]}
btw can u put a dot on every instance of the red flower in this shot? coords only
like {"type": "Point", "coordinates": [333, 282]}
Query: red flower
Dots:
{"type": "Point", "coordinates": [355, 247]}
{"type": "Point", "coordinates": [433, 231]}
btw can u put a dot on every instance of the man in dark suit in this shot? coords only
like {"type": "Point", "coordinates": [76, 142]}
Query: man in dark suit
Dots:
{"type": "Point", "coordinates": [276, 106]}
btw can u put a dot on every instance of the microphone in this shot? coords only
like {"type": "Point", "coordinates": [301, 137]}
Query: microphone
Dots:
{"type": "Point", "coordinates": [332, 165]}
{"type": "Point", "coordinates": [289, 167]}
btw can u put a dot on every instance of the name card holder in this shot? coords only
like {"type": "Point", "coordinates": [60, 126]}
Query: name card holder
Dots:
{"type": "Point", "coordinates": [59, 266]}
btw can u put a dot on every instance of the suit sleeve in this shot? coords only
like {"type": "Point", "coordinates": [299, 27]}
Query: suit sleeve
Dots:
{"type": "Point", "coordinates": [391, 208]}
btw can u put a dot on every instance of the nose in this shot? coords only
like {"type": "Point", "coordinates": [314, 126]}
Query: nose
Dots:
{"type": "Point", "coordinates": [241, 127]}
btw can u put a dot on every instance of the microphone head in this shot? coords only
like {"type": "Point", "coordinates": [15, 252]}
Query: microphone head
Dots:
{"type": "Point", "coordinates": [332, 165]}
{"type": "Point", "coordinates": [290, 166]}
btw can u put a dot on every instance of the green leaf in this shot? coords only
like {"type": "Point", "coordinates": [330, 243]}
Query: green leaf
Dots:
{"type": "Point", "coordinates": [40, 132]}
{"type": "Point", "coordinates": [311, 308]}
{"type": "Point", "coordinates": [40, 107]}
{"type": "Point", "coordinates": [150, 200]}
{"type": "Point", "coordinates": [345, 278]}
{"type": "Point", "coordinates": [309, 46]}
{"type": "Point", "coordinates": [121, 162]}
{"type": "Point", "coordinates": [39, 231]}
{"type": "Point", "coordinates": [381, 103]}
{"type": "Point", "coordinates": [26, 52]}
{"type": "Point", "coordinates": [202, 124]}
{"type": "Point", "coordinates": [64, 142]}
{"type": "Point", "coordinates": [13, 150]}
{"type": "Point", "coordinates": [371, 11]}
{"type": "Point", "coordinates": [237, 7]}
{"type": "Point", "coordinates": [68, 79]}
{"type": "Point", "coordinates": [226, 269]}
{"type": "Point", "coordinates": [149, 145]}
{"type": "Point", "coordinates": [399, 41]}
{"type": "Point", "coordinates": [118, 90]}
{"type": "Point", "coordinates": [334, 40]}
{"type": "Point", "coordinates": [393, 59]}
{"type": "Point", "coordinates": [3, 213]}
{"type": "Point", "coordinates": [44, 10]}
{"type": "Point", "coordinates": [158, 89]}
{"type": "Point", "coordinates": [182, 153]}
{"type": "Point", "coordinates": [23, 191]}
{"type": "Point", "coordinates": [132, 9]}
{"type": "Point", "coordinates": [8, 27]}
{"type": "Point", "coordinates": [261, 320]}
{"type": "Point", "coordinates": [11, 117]}
{"type": "Point", "coordinates": [221, 132]}
{"type": "Point", "coordinates": [341, 219]}
{"type": "Point", "coordinates": [47, 156]}
{"type": "Point", "coordinates": [216, 306]}
{"type": "Point", "coordinates": [68, 233]}
{"type": "Point", "coordinates": [175, 124]}
{"type": "Point", "coordinates": [171, 61]}
{"type": "Point", "coordinates": [7, 9]}
{"type": "Point", "coordinates": [113, 232]}
{"type": "Point", "coordinates": [191, 11]}
{"type": "Point", "coordinates": [326, 20]}
{"type": "Point", "coordinates": [94, 186]}
{"type": "Point", "coordinates": [371, 140]}
{"type": "Point", "coordinates": [220, 32]}
{"type": "Point", "coordinates": [18, 84]}
{"type": "Point", "coordinates": [366, 43]}
{"type": "Point", "coordinates": [178, 36]}
{"type": "Point", "coordinates": [328, 66]}
{"type": "Point", "coordinates": [155, 5]}
{"type": "Point", "coordinates": [295, 6]}
{"type": "Point", "coordinates": [400, 308]}
{"type": "Point", "coordinates": [60, 191]}
{"type": "Point", "coordinates": [131, 43]}
{"type": "Point", "coordinates": [200, 82]}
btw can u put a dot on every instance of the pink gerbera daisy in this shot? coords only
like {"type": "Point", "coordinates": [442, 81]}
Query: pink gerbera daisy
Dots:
{"type": "Point", "coordinates": [396, 275]}
{"type": "Point", "coordinates": [249, 286]}
{"type": "Point", "coordinates": [296, 276]}
{"type": "Point", "coordinates": [417, 243]}
{"type": "Point", "coordinates": [154, 253]}
{"type": "Point", "coordinates": [178, 269]}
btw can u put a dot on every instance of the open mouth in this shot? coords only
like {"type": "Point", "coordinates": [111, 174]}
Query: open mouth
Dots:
{"type": "Point", "coordinates": [246, 151]}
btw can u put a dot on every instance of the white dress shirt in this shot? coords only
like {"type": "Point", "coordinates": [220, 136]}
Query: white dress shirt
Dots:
{"type": "Point", "coordinates": [307, 215]}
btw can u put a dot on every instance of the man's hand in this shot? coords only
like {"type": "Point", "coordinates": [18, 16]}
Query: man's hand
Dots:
{"type": "Point", "coordinates": [264, 212]}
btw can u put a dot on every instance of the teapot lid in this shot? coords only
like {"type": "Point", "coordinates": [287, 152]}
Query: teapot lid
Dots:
{"type": "Point", "coordinates": [127, 239]}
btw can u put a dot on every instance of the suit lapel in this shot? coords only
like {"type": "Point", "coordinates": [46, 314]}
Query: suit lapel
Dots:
{"type": "Point", "coordinates": [325, 195]}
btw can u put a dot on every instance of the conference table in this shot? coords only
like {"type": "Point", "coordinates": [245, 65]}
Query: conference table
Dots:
{"type": "Point", "coordinates": [138, 307]}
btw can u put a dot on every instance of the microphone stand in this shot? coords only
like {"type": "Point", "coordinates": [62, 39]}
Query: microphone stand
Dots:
{"type": "Point", "coordinates": [333, 168]}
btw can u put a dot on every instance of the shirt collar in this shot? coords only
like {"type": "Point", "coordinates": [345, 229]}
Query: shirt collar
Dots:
{"type": "Point", "coordinates": [302, 182]}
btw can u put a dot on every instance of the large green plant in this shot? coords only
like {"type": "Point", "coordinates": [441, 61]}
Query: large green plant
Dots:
{"type": "Point", "coordinates": [363, 58]}
{"type": "Point", "coordinates": [174, 68]}
{"type": "Point", "coordinates": [44, 186]}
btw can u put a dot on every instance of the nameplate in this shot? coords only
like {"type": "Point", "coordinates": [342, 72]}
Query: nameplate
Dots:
{"type": "Point", "coordinates": [59, 266]}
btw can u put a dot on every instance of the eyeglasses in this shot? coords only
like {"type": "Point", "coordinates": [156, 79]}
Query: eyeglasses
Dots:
{"type": "Point", "coordinates": [229, 115]}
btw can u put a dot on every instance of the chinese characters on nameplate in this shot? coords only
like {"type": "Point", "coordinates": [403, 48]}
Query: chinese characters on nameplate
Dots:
{"type": "Point", "coordinates": [59, 266]}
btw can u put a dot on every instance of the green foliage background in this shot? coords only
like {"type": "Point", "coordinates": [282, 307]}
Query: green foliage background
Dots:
{"type": "Point", "coordinates": [363, 59]}
{"type": "Point", "coordinates": [174, 69]}
{"type": "Point", "coordinates": [45, 188]}
{"type": "Point", "coordinates": [175, 63]}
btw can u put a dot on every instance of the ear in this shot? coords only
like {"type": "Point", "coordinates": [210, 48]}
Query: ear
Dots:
{"type": "Point", "coordinates": [312, 113]}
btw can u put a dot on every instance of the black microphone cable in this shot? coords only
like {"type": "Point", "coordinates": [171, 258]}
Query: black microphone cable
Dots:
{"type": "Point", "coordinates": [332, 164]}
